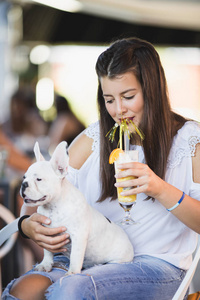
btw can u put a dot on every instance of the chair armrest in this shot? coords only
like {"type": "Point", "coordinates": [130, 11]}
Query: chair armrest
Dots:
{"type": "Point", "coordinates": [6, 233]}
{"type": "Point", "coordinates": [8, 230]}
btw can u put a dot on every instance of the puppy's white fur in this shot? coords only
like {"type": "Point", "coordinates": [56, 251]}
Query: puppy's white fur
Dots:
{"type": "Point", "coordinates": [94, 240]}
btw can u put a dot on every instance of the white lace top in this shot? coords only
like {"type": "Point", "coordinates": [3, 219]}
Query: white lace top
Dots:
{"type": "Point", "coordinates": [159, 233]}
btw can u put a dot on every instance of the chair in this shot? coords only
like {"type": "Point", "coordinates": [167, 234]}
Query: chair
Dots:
{"type": "Point", "coordinates": [180, 293]}
{"type": "Point", "coordinates": [6, 234]}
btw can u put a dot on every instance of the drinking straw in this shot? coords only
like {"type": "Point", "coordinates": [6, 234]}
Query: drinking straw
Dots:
{"type": "Point", "coordinates": [120, 136]}
{"type": "Point", "coordinates": [126, 141]}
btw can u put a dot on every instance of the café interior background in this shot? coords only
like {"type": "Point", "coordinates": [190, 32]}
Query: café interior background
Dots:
{"type": "Point", "coordinates": [55, 48]}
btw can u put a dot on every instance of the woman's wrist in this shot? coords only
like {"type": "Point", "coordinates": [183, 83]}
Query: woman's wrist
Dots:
{"type": "Point", "coordinates": [177, 204]}
{"type": "Point", "coordinates": [20, 226]}
{"type": "Point", "coordinates": [170, 197]}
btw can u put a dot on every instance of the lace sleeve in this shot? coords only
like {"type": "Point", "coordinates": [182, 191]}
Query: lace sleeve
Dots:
{"type": "Point", "coordinates": [184, 143]}
{"type": "Point", "coordinates": [93, 132]}
{"type": "Point", "coordinates": [193, 141]}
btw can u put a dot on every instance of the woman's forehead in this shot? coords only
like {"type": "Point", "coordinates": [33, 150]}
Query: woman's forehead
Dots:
{"type": "Point", "coordinates": [124, 82]}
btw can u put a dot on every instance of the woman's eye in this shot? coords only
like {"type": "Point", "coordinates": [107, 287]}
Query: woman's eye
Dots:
{"type": "Point", "coordinates": [109, 101]}
{"type": "Point", "coordinates": [129, 98]}
{"type": "Point", "coordinates": [38, 179]}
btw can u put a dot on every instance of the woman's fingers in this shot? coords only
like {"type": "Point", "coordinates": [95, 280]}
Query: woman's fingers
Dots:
{"type": "Point", "coordinates": [41, 229]}
{"type": "Point", "coordinates": [54, 245]}
{"type": "Point", "coordinates": [36, 223]}
{"type": "Point", "coordinates": [145, 181]}
{"type": "Point", "coordinates": [132, 169]}
{"type": "Point", "coordinates": [52, 239]}
{"type": "Point", "coordinates": [40, 219]}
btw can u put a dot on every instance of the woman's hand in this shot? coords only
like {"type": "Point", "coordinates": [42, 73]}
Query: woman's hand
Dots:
{"type": "Point", "coordinates": [146, 181]}
{"type": "Point", "coordinates": [52, 239]}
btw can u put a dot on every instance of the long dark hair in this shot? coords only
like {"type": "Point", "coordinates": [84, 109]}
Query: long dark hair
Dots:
{"type": "Point", "coordinates": [159, 123]}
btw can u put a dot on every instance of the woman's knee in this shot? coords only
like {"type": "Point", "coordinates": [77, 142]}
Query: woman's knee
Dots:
{"type": "Point", "coordinates": [30, 287]}
{"type": "Point", "coordinates": [73, 287]}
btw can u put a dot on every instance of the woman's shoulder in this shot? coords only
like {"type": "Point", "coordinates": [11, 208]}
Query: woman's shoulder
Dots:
{"type": "Point", "coordinates": [184, 143]}
{"type": "Point", "coordinates": [190, 125]}
{"type": "Point", "coordinates": [189, 135]}
{"type": "Point", "coordinates": [93, 132]}
{"type": "Point", "coordinates": [83, 146]}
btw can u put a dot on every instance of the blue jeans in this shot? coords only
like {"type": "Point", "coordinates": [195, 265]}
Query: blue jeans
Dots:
{"type": "Point", "coordinates": [146, 278]}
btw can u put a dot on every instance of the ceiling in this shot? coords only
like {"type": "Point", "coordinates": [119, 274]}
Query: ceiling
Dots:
{"type": "Point", "coordinates": [179, 13]}
{"type": "Point", "coordinates": [100, 21]}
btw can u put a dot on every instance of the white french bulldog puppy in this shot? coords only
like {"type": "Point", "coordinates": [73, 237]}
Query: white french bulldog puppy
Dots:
{"type": "Point", "coordinates": [94, 239]}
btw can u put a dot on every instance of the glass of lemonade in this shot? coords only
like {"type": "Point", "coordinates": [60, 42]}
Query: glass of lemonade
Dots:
{"type": "Point", "coordinates": [126, 202]}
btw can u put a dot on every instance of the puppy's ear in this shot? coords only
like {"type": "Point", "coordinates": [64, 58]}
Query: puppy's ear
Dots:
{"type": "Point", "coordinates": [60, 160]}
{"type": "Point", "coordinates": [38, 155]}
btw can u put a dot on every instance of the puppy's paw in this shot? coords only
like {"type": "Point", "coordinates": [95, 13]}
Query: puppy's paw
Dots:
{"type": "Point", "coordinates": [71, 272]}
{"type": "Point", "coordinates": [43, 267]}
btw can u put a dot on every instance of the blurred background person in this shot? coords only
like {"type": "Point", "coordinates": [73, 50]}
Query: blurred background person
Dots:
{"type": "Point", "coordinates": [66, 125]}
{"type": "Point", "coordinates": [15, 158]}
{"type": "Point", "coordinates": [25, 125]}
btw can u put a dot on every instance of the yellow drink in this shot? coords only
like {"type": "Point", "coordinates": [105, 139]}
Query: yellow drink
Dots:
{"type": "Point", "coordinates": [126, 199]}
{"type": "Point", "coordinates": [126, 157]}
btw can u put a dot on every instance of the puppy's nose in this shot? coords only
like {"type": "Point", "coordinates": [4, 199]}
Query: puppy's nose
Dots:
{"type": "Point", "coordinates": [23, 187]}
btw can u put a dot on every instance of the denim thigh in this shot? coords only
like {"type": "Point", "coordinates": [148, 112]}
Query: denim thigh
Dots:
{"type": "Point", "coordinates": [146, 278]}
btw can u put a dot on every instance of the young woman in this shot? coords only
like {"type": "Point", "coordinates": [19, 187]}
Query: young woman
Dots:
{"type": "Point", "coordinates": [132, 85]}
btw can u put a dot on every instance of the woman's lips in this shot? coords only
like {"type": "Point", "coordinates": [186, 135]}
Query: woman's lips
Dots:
{"type": "Point", "coordinates": [126, 118]}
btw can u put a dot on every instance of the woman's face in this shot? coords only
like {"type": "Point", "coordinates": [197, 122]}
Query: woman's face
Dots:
{"type": "Point", "coordinates": [123, 97]}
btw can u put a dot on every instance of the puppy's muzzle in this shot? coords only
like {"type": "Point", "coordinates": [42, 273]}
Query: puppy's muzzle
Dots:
{"type": "Point", "coordinates": [23, 188]}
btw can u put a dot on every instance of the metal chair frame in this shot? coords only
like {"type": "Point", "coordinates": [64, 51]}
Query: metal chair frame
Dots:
{"type": "Point", "coordinates": [7, 238]}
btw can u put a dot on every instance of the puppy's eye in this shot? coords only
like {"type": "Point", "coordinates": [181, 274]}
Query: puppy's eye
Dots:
{"type": "Point", "coordinates": [38, 179]}
{"type": "Point", "coordinates": [24, 177]}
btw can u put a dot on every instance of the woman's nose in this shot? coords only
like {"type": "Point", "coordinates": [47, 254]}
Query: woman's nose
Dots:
{"type": "Point", "coordinates": [120, 107]}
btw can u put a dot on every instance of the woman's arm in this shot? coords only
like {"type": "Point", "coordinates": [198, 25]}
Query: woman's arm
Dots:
{"type": "Point", "coordinates": [33, 227]}
{"type": "Point", "coordinates": [79, 150]}
{"type": "Point", "coordinates": [149, 183]}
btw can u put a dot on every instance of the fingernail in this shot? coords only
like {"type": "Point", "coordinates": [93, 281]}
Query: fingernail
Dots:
{"type": "Point", "coordinates": [47, 221]}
